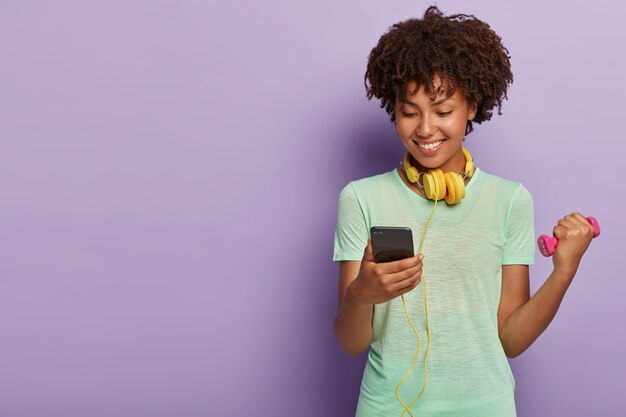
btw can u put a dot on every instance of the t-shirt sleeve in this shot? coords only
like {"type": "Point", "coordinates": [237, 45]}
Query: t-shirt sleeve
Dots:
{"type": "Point", "coordinates": [519, 247]}
{"type": "Point", "coordinates": [351, 233]}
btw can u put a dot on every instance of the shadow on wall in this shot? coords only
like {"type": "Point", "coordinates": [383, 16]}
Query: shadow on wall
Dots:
{"type": "Point", "coordinates": [367, 146]}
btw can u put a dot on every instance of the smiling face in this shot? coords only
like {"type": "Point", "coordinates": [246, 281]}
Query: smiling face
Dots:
{"type": "Point", "coordinates": [433, 130]}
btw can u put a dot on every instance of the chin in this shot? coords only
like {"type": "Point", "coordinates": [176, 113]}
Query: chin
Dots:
{"type": "Point", "coordinates": [430, 163]}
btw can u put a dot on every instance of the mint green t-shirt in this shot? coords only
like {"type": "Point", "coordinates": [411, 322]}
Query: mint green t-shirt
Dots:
{"type": "Point", "coordinates": [465, 247]}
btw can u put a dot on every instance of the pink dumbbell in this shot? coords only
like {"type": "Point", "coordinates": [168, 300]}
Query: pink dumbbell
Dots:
{"type": "Point", "coordinates": [547, 244]}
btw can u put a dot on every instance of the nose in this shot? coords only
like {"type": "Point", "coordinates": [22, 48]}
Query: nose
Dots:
{"type": "Point", "coordinates": [425, 127]}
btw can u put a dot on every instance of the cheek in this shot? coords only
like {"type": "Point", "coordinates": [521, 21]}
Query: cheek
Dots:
{"type": "Point", "coordinates": [455, 124]}
{"type": "Point", "coordinates": [403, 127]}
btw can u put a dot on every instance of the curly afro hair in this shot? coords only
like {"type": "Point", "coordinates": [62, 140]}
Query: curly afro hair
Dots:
{"type": "Point", "coordinates": [462, 49]}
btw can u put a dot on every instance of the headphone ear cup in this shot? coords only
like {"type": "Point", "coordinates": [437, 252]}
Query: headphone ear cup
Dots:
{"type": "Point", "coordinates": [430, 188]}
{"type": "Point", "coordinates": [441, 180]}
{"type": "Point", "coordinates": [412, 174]}
{"type": "Point", "coordinates": [456, 188]}
{"type": "Point", "coordinates": [434, 184]}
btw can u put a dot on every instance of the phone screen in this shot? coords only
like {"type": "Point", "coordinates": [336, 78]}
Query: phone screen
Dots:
{"type": "Point", "coordinates": [391, 243]}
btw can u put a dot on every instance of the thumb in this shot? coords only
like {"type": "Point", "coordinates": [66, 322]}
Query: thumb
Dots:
{"type": "Point", "coordinates": [368, 253]}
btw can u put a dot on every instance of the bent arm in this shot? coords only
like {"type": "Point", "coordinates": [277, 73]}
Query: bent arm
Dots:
{"type": "Point", "coordinates": [353, 322]}
{"type": "Point", "coordinates": [521, 319]}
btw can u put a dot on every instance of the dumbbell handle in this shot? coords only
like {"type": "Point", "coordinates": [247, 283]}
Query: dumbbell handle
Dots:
{"type": "Point", "coordinates": [547, 244]}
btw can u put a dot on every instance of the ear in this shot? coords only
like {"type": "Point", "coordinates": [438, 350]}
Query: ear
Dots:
{"type": "Point", "coordinates": [471, 113]}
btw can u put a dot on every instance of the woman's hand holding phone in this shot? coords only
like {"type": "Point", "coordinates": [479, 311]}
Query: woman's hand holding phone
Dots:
{"type": "Point", "coordinates": [377, 283]}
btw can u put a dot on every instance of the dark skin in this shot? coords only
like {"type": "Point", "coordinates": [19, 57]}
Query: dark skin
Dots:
{"type": "Point", "coordinates": [521, 318]}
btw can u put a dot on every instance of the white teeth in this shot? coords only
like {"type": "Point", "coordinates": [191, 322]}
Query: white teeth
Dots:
{"type": "Point", "coordinates": [430, 145]}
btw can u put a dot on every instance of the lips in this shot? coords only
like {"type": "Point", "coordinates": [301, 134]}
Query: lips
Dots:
{"type": "Point", "coordinates": [430, 146]}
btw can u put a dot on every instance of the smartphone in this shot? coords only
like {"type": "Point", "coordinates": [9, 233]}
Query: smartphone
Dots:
{"type": "Point", "coordinates": [391, 243]}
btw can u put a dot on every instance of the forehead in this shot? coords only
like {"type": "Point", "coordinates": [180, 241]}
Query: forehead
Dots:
{"type": "Point", "coordinates": [441, 90]}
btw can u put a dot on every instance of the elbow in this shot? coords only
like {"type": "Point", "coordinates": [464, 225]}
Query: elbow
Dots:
{"type": "Point", "coordinates": [512, 353]}
{"type": "Point", "coordinates": [348, 346]}
{"type": "Point", "coordinates": [352, 351]}
{"type": "Point", "coordinates": [508, 346]}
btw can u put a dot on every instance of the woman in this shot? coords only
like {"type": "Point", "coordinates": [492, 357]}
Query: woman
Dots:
{"type": "Point", "coordinates": [435, 77]}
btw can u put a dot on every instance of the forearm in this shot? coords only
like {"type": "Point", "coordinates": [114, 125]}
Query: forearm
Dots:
{"type": "Point", "coordinates": [526, 323]}
{"type": "Point", "coordinates": [353, 323]}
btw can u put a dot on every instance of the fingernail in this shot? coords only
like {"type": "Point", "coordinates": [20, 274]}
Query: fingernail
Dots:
{"type": "Point", "coordinates": [421, 256]}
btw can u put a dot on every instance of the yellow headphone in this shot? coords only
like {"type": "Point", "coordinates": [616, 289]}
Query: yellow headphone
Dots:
{"type": "Point", "coordinates": [436, 184]}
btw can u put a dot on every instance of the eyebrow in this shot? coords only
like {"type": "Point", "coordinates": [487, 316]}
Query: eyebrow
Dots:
{"type": "Point", "coordinates": [434, 104]}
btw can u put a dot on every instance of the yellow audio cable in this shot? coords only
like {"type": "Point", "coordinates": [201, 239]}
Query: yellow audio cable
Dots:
{"type": "Point", "coordinates": [419, 339]}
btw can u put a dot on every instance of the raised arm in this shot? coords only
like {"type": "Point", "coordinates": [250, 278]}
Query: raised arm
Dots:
{"type": "Point", "coordinates": [521, 319]}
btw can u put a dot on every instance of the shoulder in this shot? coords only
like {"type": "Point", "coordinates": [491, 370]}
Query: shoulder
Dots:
{"type": "Point", "coordinates": [366, 185]}
{"type": "Point", "coordinates": [504, 188]}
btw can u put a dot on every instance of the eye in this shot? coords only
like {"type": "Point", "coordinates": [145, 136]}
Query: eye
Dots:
{"type": "Point", "coordinates": [405, 114]}
{"type": "Point", "coordinates": [444, 114]}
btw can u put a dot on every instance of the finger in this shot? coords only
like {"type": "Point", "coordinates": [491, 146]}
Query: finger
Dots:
{"type": "Point", "coordinates": [398, 277]}
{"type": "Point", "coordinates": [583, 220]}
{"type": "Point", "coordinates": [559, 232]}
{"type": "Point", "coordinates": [398, 267]}
{"type": "Point", "coordinates": [402, 264]}
{"type": "Point", "coordinates": [368, 253]}
{"type": "Point", "coordinates": [579, 217]}
{"type": "Point", "coordinates": [569, 223]}
{"type": "Point", "coordinates": [575, 226]}
{"type": "Point", "coordinates": [407, 284]}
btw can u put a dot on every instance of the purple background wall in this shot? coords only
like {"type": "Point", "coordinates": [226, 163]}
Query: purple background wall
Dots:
{"type": "Point", "coordinates": [170, 173]}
